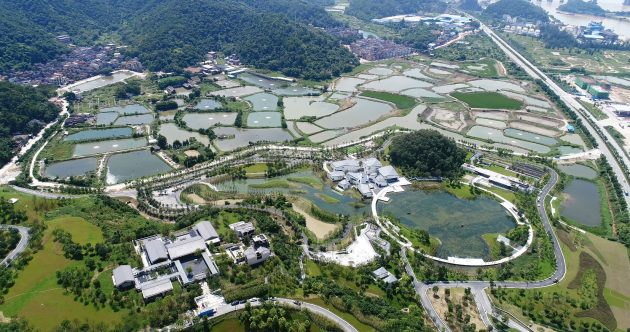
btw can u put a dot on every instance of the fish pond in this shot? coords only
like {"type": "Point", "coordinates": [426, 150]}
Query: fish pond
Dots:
{"type": "Point", "coordinates": [135, 119]}
{"type": "Point", "coordinates": [264, 119]}
{"type": "Point", "coordinates": [497, 135]}
{"type": "Point", "coordinates": [263, 102]}
{"type": "Point", "coordinates": [127, 109]}
{"type": "Point", "coordinates": [98, 134]}
{"type": "Point", "coordinates": [297, 107]}
{"type": "Point", "coordinates": [68, 168]}
{"type": "Point", "coordinates": [581, 203]}
{"type": "Point", "coordinates": [237, 138]}
{"type": "Point", "coordinates": [579, 171]}
{"type": "Point", "coordinates": [87, 149]}
{"type": "Point", "coordinates": [133, 165]}
{"type": "Point", "coordinates": [207, 105]}
{"type": "Point", "coordinates": [364, 111]}
{"type": "Point", "coordinates": [172, 133]}
{"type": "Point", "coordinates": [459, 224]}
{"type": "Point", "coordinates": [206, 120]}
{"type": "Point", "coordinates": [106, 118]}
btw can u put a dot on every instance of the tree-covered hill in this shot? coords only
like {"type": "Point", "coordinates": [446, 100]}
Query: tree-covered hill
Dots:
{"type": "Point", "coordinates": [426, 153]}
{"type": "Point", "coordinates": [516, 8]}
{"type": "Point", "coordinates": [19, 106]}
{"type": "Point", "coordinates": [178, 33]}
{"type": "Point", "coordinates": [23, 43]}
{"type": "Point", "coordinates": [370, 9]}
{"type": "Point", "coordinates": [172, 34]}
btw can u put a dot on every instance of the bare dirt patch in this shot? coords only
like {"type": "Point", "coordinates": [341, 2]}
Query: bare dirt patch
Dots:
{"type": "Point", "coordinates": [542, 120]}
{"type": "Point", "coordinates": [456, 297]}
{"type": "Point", "coordinates": [191, 153]}
{"type": "Point", "coordinates": [320, 229]}
{"type": "Point", "coordinates": [450, 119]}
{"type": "Point", "coordinates": [495, 115]}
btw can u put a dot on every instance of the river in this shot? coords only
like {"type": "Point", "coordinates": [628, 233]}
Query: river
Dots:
{"type": "Point", "coordinates": [619, 26]}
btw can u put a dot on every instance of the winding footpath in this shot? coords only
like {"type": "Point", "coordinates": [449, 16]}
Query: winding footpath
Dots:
{"type": "Point", "coordinates": [21, 246]}
{"type": "Point", "coordinates": [478, 287]}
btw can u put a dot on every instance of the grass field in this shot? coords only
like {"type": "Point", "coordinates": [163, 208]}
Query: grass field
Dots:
{"type": "Point", "coordinates": [36, 295]}
{"type": "Point", "coordinates": [256, 168]}
{"type": "Point", "coordinates": [307, 180]}
{"type": "Point", "coordinates": [614, 261]}
{"type": "Point", "coordinates": [401, 102]}
{"type": "Point", "coordinates": [596, 112]}
{"type": "Point", "coordinates": [327, 199]}
{"type": "Point", "coordinates": [277, 183]}
{"type": "Point", "coordinates": [490, 100]}
{"type": "Point", "coordinates": [488, 65]}
{"type": "Point", "coordinates": [82, 231]}
{"type": "Point", "coordinates": [608, 61]}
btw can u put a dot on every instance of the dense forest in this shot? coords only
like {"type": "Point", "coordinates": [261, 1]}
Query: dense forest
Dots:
{"type": "Point", "coordinates": [418, 37]}
{"type": "Point", "coordinates": [470, 5]}
{"type": "Point", "coordinates": [553, 37]}
{"type": "Point", "coordinates": [426, 153]}
{"type": "Point", "coordinates": [23, 43]}
{"type": "Point", "coordinates": [178, 34]}
{"type": "Point", "coordinates": [9, 239]}
{"type": "Point", "coordinates": [370, 9]}
{"type": "Point", "coordinates": [516, 8]}
{"type": "Point", "coordinates": [169, 35]}
{"type": "Point", "coordinates": [19, 106]}
{"type": "Point", "coordinates": [583, 7]}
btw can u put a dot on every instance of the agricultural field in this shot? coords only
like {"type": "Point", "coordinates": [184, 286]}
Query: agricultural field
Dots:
{"type": "Point", "coordinates": [591, 292]}
{"type": "Point", "coordinates": [601, 62]}
{"type": "Point", "coordinates": [489, 100]}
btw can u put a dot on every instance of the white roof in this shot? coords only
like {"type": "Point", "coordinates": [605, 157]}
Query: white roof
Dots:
{"type": "Point", "coordinates": [122, 274]}
{"type": "Point", "coordinates": [157, 287]}
{"type": "Point", "coordinates": [380, 273]}
{"type": "Point", "coordinates": [155, 250]}
{"type": "Point", "coordinates": [347, 162]}
{"type": "Point", "coordinates": [337, 173]}
{"type": "Point", "coordinates": [241, 226]}
{"type": "Point", "coordinates": [372, 162]}
{"type": "Point", "coordinates": [388, 171]}
{"type": "Point", "coordinates": [206, 230]}
{"type": "Point", "coordinates": [185, 247]}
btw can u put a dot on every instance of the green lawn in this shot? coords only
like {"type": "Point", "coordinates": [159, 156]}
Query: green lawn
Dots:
{"type": "Point", "coordinates": [82, 231]}
{"type": "Point", "coordinates": [312, 269]}
{"type": "Point", "coordinates": [327, 199]}
{"type": "Point", "coordinates": [277, 183]}
{"type": "Point", "coordinates": [401, 102]}
{"type": "Point", "coordinates": [256, 168]}
{"type": "Point", "coordinates": [462, 192]}
{"type": "Point", "coordinates": [507, 194]}
{"type": "Point", "coordinates": [308, 180]}
{"type": "Point", "coordinates": [491, 100]}
{"type": "Point", "coordinates": [36, 295]}
{"type": "Point", "coordinates": [596, 112]}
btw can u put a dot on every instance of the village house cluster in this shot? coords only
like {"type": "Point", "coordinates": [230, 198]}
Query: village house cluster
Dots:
{"type": "Point", "coordinates": [78, 64]}
{"type": "Point", "coordinates": [185, 257]}
{"type": "Point", "coordinates": [366, 175]}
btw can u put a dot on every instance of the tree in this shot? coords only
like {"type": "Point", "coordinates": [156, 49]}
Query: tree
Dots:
{"type": "Point", "coordinates": [162, 142]}
{"type": "Point", "coordinates": [426, 153]}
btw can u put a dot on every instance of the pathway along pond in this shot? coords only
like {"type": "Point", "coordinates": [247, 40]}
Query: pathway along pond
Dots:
{"type": "Point", "coordinates": [458, 223]}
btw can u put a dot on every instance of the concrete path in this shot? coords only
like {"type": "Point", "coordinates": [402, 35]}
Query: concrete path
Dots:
{"type": "Point", "coordinates": [21, 246]}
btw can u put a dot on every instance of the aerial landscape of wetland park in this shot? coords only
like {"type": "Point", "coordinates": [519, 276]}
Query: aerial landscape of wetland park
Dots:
{"type": "Point", "coordinates": [346, 165]}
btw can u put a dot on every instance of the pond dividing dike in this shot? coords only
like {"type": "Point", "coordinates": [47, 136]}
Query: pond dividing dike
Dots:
{"type": "Point", "coordinates": [390, 229]}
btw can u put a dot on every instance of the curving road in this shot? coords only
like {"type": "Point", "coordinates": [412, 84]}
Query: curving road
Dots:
{"type": "Point", "coordinates": [602, 137]}
{"type": "Point", "coordinates": [478, 287]}
{"type": "Point", "coordinates": [254, 302]}
{"type": "Point", "coordinates": [21, 246]}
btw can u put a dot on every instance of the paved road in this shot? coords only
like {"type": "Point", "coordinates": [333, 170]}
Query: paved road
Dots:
{"type": "Point", "coordinates": [21, 246]}
{"type": "Point", "coordinates": [600, 135]}
{"type": "Point", "coordinates": [478, 287]}
{"type": "Point", "coordinates": [43, 194]}
{"type": "Point", "coordinates": [344, 325]}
